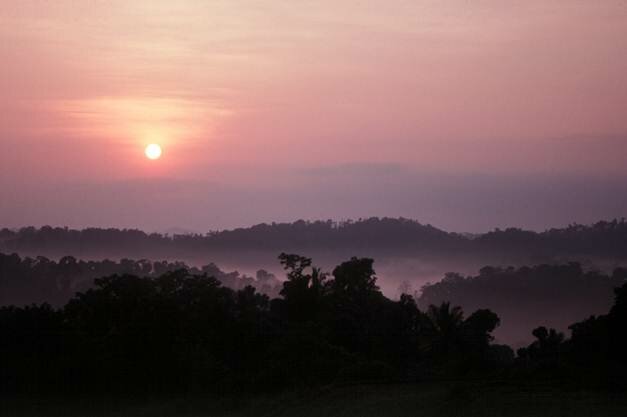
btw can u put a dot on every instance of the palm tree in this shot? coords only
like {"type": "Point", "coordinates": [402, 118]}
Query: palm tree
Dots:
{"type": "Point", "coordinates": [445, 323]}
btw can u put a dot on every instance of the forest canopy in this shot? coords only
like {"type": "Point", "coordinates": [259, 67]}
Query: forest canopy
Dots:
{"type": "Point", "coordinates": [180, 332]}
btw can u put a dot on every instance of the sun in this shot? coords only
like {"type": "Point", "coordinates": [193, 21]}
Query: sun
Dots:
{"type": "Point", "coordinates": [153, 151]}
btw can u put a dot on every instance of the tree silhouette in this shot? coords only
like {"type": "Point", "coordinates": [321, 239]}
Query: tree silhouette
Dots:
{"type": "Point", "coordinates": [302, 292]}
{"type": "Point", "coordinates": [445, 323]}
{"type": "Point", "coordinates": [181, 332]}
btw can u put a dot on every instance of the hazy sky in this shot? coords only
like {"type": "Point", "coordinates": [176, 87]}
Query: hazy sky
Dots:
{"type": "Point", "coordinates": [464, 114]}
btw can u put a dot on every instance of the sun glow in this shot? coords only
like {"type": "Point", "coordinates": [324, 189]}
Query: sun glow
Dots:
{"type": "Point", "coordinates": [153, 151]}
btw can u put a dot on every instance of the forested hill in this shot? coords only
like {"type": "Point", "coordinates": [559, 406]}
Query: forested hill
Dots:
{"type": "Point", "coordinates": [555, 295]}
{"type": "Point", "coordinates": [25, 280]}
{"type": "Point", "coordinates": [374, 233]}
{"type": "Point", "coordinates": [607, 239]}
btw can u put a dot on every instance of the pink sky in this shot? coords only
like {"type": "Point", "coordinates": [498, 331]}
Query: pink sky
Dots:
{"type": "Point", "coordinates": [254, 102]}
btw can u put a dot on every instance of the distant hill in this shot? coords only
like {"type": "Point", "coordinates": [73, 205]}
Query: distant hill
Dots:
{"type": "Point", "coordinates": [25, 280]}
{"type": "Point", "coordinates": [376, 236]}
{"type": "Point", "coordinates": [374, 233]}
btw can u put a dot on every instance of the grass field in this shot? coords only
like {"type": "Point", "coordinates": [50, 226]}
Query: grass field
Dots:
{"type": "Point", "coordinates": [462, 398]}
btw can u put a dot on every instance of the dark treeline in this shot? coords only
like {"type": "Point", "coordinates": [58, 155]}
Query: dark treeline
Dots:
{"type": "Point", "coordinates": [555, 294]}
{"type": "Point", "coordinates": [25, 280]}
{"type": "Point", "coordinates": [400, 237]}
{"type": "Point", "coordinates": [180, 332]}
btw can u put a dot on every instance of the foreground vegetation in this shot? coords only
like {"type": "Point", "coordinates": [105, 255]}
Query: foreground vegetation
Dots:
{"type": "Point", "coordinates": [330, 344]}
{"type": "Point", "coordinates": [554, 295]}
